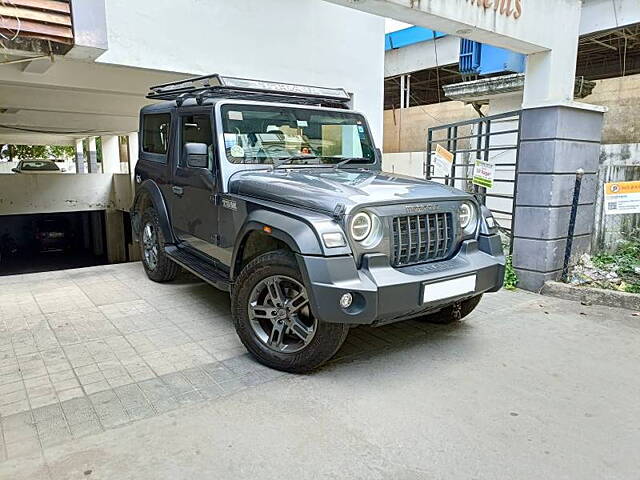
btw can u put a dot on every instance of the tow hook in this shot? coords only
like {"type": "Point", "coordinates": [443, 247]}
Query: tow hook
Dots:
{"type": "Point", "coordinates": [457, 311]}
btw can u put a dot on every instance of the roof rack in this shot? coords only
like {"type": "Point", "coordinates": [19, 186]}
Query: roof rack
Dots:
{"type": "Point", "coordinates": [208, 85]}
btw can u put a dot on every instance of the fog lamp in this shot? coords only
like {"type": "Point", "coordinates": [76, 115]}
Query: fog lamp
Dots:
{"type": "Point", "coordinates": [346, 300]}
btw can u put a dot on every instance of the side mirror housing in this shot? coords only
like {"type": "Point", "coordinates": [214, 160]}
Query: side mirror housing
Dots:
{"type": "Point", "coordinates": [197, 155]}
{"type": "Point", "coordinates": [15, 170]}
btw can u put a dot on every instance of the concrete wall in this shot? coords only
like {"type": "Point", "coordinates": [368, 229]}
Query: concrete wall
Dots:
{"type": "Point", "coordinates": [24, 194]}
{"type": "Point", "coordinates": [617, 163]}
{"type": "Point", "coordinates": [406, 130]}
{"type": "Point", "coordinates": [406, 163]}
{"type": "Point", "coordinates": [622, 97]}
{"type": "Point", "coordinates": [303, 41]}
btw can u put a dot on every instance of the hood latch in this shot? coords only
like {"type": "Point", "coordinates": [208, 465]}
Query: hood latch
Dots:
{"type": "Point", "coordinates": [339, 211]}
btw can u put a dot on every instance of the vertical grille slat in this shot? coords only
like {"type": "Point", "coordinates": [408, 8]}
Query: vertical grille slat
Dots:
{"type": "Point", "coordinates": [421, 238]}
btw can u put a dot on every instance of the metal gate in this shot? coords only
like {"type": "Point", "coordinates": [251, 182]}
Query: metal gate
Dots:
{"type": "Point", "coordinates": [494, 139]}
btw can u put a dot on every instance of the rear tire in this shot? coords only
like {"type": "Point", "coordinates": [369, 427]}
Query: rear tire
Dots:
{"type": "Point", "coordinates": [157, 264]}
{"type": "Point", "coordinates": [453, 313]}
{"type": "Point", "coordinates": [273, 317]}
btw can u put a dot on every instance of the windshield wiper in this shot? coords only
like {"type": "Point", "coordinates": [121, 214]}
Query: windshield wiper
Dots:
{"type": "Point", "coordinates": [286, 160]}
{"type": "Point", "coordinates": [347, 160]}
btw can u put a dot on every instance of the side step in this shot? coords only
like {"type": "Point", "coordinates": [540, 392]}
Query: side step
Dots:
{"type": "Point", "coordinates": [199, 267]}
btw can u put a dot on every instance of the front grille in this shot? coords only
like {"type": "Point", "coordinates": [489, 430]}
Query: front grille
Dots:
{"type": "Point", "coordinates": [421, 238]}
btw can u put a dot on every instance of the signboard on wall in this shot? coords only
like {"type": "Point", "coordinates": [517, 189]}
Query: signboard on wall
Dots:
{"type": "Point", "coordinates": [622, 197]}
{"type": "Point", "coordinates": [508, 8]}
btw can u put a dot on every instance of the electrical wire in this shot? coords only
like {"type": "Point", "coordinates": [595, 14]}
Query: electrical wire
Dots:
{"type": "Point", "coordinates": [18, 22]}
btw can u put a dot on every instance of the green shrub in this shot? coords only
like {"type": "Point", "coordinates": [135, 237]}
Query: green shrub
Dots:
{"type": "Point", "coordinates": [510, 275]}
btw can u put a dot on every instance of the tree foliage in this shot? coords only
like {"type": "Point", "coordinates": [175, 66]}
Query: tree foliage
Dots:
{"type": "Point", "coordinates": [24, 152]}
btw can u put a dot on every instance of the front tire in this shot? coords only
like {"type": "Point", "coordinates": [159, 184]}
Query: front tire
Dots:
{"type": "Point", "coordinates": [453, 313]}
{"type": "Point", "coordinates": [273, 318]}
{"type": "Point", "coordinates": [157, 264]}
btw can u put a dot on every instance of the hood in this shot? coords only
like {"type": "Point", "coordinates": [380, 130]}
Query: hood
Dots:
{"type": "Point", "coordinates": [324, 188]}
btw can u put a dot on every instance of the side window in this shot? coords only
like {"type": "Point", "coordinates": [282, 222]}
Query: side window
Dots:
{"type": "Point", "coordinates": [155, 133]}
{"type": "Point", "coordinates": [197, 129]}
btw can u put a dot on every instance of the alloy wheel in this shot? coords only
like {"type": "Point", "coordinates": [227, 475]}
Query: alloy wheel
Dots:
{"type": "Point", "coordinates": [279, 314]}
{"type": "Point", "coordinates": [150, 245]}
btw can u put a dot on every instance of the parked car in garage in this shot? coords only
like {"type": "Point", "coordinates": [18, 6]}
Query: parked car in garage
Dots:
{"type": "Point", "coordinates": [53, 234]}
{"type": "Point", "coordinates": [36, 166]}
{"type": "Point", "coordinates": [274, 192]}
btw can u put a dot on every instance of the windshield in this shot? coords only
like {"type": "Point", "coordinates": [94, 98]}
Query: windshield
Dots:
{"type": "Point", "coordinates": [271, 134]}
{"type": "Point", "coordinates": [39, 165]}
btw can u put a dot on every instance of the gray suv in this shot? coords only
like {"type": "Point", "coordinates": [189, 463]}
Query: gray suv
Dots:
{"type": "Point", "coordinates": [274, 193]}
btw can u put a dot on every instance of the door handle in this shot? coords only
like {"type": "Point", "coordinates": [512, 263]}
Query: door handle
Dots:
{"type": "Point", "coordinates": [179, 191]}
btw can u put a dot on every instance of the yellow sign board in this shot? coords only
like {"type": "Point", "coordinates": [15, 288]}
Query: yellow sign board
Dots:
{"type": "Point", "coordinates": [622, 197]}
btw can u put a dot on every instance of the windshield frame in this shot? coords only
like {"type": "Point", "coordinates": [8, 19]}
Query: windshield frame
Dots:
{"type": "Point", "coordinates": [228, 168]}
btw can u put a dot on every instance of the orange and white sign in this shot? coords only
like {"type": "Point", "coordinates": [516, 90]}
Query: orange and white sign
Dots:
{"type": "Point", "coordinates": [622, 197]}
{"type": "Point", "coordinates": [443, 161]}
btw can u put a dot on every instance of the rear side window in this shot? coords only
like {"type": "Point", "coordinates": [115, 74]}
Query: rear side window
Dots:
{"type": "Point", "coordinates": [155, 134]}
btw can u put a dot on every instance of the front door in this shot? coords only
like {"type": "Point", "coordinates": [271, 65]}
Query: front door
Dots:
{"type": "Point", "coordinates": [194, 212]}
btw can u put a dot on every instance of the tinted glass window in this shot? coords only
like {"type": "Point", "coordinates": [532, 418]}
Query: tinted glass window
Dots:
{"type": "Point", "coordinates": [197, 129]}
{"type": "Point", "coordinates": [39, 165]}
{"type": "Point", "coordinates": [269, 134]}
{"type": "Point", "coordinates": [155, 135]}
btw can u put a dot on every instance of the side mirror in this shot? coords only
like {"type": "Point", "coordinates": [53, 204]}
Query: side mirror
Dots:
{"type": "Point", "coordinates": [15, 170]}
{"type": "Point", "coordinates": [197, 155]}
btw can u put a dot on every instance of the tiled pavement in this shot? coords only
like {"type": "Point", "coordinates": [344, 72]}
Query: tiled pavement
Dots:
{"type": "Point", "coordinates": [91, 349]}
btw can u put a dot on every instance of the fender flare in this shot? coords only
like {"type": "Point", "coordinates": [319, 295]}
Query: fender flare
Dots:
{"type": "Point", "coordinates": [297, 234]}
{"type": "Point", "coordinates": [150, 189]}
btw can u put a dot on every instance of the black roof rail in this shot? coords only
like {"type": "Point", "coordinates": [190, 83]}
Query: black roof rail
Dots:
{"type": "Point", "coordinates": [215, 84]}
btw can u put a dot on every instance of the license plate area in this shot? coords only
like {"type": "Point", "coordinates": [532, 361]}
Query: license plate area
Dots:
{"type": "Point", "coordinates": [432, 292]}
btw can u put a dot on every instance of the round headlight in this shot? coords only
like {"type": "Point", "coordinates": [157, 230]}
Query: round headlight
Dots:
{"type": "Point", "coordinates": [360, 226]}
{"type": "Point", "coordinates": [467, 214]}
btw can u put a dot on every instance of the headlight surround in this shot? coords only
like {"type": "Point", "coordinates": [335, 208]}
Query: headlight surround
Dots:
{"type": "Point", "coordinates": [468, 215]}
{"type": "Point", "coordinates": [361, 226]}
{"type": "Point", "coordinates": [366, 229]}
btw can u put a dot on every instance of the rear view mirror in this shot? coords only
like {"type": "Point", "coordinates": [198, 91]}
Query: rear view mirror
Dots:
{"type": "Point", "coordinates": [197, 155]}
{"type": "Point", "coordinates": [15, 170]}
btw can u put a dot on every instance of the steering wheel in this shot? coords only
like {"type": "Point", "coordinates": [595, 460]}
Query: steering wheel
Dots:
{"type": "Point", "coordinates": [275, 151]}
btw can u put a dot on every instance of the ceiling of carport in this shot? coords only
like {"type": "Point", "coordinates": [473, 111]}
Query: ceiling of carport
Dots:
{"type": "Point", "coordinates": [72, 99]}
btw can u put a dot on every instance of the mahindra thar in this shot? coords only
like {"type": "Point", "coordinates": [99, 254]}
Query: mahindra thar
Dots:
{"type": "Point", "coordinates": [274, 192]}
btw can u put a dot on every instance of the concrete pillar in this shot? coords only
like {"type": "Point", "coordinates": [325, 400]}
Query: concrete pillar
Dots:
{"type": "Point", "coordinates": [555, 142]}
{"type": "Point", "coordinates": [132, 144]}
{"type": "Point", "coordinates": [110, 154]}
{"type": "Point", "coordinates": [114, 226]}
{"type": "Point", "coordinates": [80, 156]}
{"type": "Point", "coordinates": [92, 161]}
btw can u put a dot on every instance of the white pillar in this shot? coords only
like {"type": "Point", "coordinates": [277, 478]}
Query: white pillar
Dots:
{"type": "Point", "coordinates": [110, 154]}
{"type": "Point", "coordinates": [92, 161]}
{"type": "Point", "coordinates": [132, 144]}
{"type": "Point", "coordinates": [80, 156]}
{"type": "Point", "coordinates": [551, 74]}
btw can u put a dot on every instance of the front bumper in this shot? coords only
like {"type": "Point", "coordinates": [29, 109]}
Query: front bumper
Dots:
{"type": "Point", "coordinates": [383, 294]}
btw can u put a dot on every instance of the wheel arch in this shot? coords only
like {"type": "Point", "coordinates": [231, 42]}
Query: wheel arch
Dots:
{"type": "Point", "coordinates": [266, 231]}
{"type": "Point", "coordinates": [149, 194]}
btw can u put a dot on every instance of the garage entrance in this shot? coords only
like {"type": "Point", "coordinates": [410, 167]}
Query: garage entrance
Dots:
{"type": "Point", "coordinates": [53, 241]}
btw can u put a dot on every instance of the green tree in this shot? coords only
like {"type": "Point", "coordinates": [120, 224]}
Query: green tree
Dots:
{"type": "Point", "coordinates": [23, 152]}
